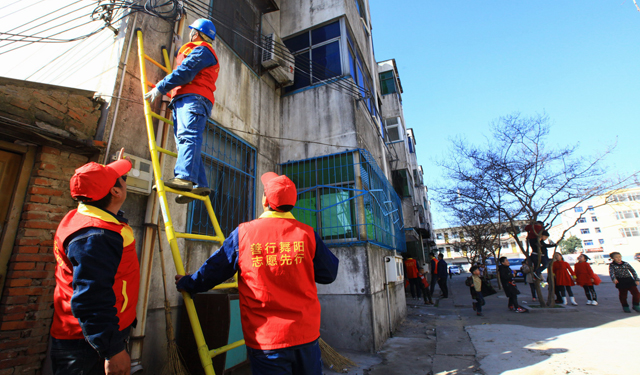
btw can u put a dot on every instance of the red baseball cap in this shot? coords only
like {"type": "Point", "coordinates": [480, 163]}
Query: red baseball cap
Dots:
{"type": "Point", "coordinates": [94, 180]}
{"type": "Point", "coordinates": [279, 190]}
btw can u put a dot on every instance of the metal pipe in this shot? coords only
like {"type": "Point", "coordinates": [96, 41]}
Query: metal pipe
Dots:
{"type": "Point", "coordinates": [124, 71]}
{"type": "Point", "coordinates": [386, 278]}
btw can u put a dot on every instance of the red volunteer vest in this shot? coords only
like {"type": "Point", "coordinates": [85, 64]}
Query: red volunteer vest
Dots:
{"type": "Point", "coordinates": [279, 304]}
{"type": "Point", "coordinates": [204, 83]}
{"type": "Point", "coordinates": [412, 268]}
{"type": "Point", "coordinates": [127, 279]}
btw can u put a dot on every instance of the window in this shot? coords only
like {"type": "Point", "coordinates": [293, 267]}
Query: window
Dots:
{"type": "Point", "coordinates": [584, 231]}
{"type": "Point", "coordinates": [411, 141]}
{"type": "Point", "coordinates": [361, 76]}
{"type": "Point", "coordinates": [241, 27]}
{"type": "Point", "coordinates": [624, 197]}
{"type": "Point", "coordinates": [387, 83]}
{"type": "Point", "coordinates": [402, 183]}
{"type": "Point", "coordinates": [588, 242]}
{"type": "Point", "coordinates": [594, 219]}
{"type": "Point", "coordinates": [230, 167]}
{"type": "Point", "coordinates": [629, 232]}
{"type": "Point", "coordinates": [446, 237]}
{"type": "Point", "coordinates": [582, 220]}
{"type": "Point", "coordinates": [439, 236]}
{"type": "Point", "coordinates": [417, 177]}
{"type": "Point", "coordinates": [627, 214]}
{"type": "Point", "coordinates": [394, 129]}
{"type": "Point", "coordinates": [597, 229]}
{"type": "Point", "coordinates": [578, 209]}
{"type": "Point", "coordinates": [601, 241]}
{"type": "Point", "coordinates": [590, 208]}
{"type": "Point", "coordinates": [317, 55]}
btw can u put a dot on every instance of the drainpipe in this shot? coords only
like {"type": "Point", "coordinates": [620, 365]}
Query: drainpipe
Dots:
{"type": "Point", "coordinates": [124, 71]}
{"type": "Point", "coordinates": [388, 259]}
{"type": "Point", "coordinates": [148, 243]}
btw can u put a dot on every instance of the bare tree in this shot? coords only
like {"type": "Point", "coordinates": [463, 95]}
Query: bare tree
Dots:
{"type": "Point", "coordinates": [516, 174]}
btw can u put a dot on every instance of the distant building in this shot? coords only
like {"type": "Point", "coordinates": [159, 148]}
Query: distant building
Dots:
{"type": "Point", "coordinates": [605, 223]}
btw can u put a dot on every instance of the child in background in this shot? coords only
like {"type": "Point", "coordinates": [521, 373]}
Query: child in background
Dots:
{"type": "Point", "coordinates": [509, 285]}
{"type": "Point", "coordinates": [564, 278]}
{"type": "Point", "coordinates": [626, 280]}
{"type": "Point", "coordinates": [426, 293]}
{"type": "Point", "coordinates": [587, 279]}
{"type": "Point", "coordinates": [474, 282]}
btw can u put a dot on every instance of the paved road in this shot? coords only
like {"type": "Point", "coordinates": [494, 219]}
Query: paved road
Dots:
{"type": "Point", "coordinates": [451, 339]}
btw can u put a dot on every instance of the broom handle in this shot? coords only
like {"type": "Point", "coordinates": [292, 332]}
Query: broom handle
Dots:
{"type": "Point", "coordinates": [167, 307]}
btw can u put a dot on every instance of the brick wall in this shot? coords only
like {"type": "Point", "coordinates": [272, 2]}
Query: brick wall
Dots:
{"type": "Point", "coordinates": [25, 307]}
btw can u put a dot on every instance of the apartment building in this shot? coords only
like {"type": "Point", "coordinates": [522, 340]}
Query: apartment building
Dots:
{"type": "Point", "coordinates": [322, 117]}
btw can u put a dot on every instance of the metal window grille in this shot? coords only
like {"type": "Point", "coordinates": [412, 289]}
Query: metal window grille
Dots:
{"type": "Point", "coordinates": [230, 164]}
{"type": "Point", "coordinates": [347, 200]}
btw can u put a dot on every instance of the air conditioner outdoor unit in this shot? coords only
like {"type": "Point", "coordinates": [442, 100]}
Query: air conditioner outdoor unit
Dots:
{"type": "Point", "coordinates": [394, 268]}
{"type": "Point", "coordinates": [140, 177]}
{"type": "Point", "coordinates": [277, 58]}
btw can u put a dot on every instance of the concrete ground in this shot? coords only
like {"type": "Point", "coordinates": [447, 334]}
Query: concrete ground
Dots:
{"type": "Point", "coordinates": [450, 339]}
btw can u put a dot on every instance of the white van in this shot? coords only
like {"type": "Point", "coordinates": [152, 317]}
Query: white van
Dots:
{"type": "Point", "coordinates": [601, 259]}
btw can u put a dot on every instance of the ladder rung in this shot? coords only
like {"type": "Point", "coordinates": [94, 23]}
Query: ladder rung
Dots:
{"type": "Point", "coordinates": [155, 115]}
{"type": "Point", "coordinates": [226, 348]}
{"type": "Point", "coordinates": [226, 286]}
{"type": "Point", "coordinates": [165, 151]}
{"type": "Point", "coordinates": [186, 193]}
{"type": "Point", "coordinates": [154, 62]}
{"type": "Point", "coordinates": [199, 237]}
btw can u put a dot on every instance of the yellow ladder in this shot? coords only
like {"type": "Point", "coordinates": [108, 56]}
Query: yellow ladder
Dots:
{"type": "Point", "coordinates": [172, 236]}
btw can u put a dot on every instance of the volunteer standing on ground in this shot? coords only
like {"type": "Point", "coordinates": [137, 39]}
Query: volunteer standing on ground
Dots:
{"type": "Point", "coordinates": [411, 270]}
{"type": "Point", "coordinates": [191, 86]}
{"type": "Point", "coordinates": [278, 260]}
{"type": "Point", "coordinates": [97, 276]}
{"type": "Point", "coordinates": [586, 278]}
{"type": "Point", "coordinates": [626, 280]}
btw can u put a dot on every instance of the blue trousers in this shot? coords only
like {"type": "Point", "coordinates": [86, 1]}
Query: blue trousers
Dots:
{"type": "Point", "coordinates": [75, 357]}
{"type": "Point", "coordinates": [190, 114]}
{"type": "Point", "coordinates": [296, 360]}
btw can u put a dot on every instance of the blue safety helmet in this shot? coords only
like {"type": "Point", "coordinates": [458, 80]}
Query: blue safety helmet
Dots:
{"type": "Point", "coordinates": [204, 26]}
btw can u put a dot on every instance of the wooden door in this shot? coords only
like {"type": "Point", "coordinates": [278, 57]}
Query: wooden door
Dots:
{"type": "Point", "coordinates": [10, 164]}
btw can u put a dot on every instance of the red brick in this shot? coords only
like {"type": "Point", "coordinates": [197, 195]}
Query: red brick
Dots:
{"type": "Point", "coordinates": [26, 249]}
{"type": "Point", "coordinates": [50, 150]}
{"type": "Point", "coordinates": [12, 326]}
{"type": "Point", "coordinates": [47, 167]}
{"type": "Point", "coordinates": [39, 266]}
{"type": "Point", "coordinates": [33, 258]}
{"type": "Point", "coordinates": [38, 348]}
{"type": "Point", "coordinates": [35, 215]}
{"type": "Point", "coordinates": [8, 354]}
{"type": "Point", "coordinates": [28, 241]}
{"type": "Point", "coordinates": [42, 181]}
{"type": "Point", "coordinates": [14, 300]}
{"type": "Point", "coordinates": [17, 282]}
{"type": "Point", "coordinates": [46, 250]}
{"type": "Point", "coordinates": [47, 243]}
{"type": "Point", "coordinates": [41, 233]}
{"type": "Point", "coordinates": [45, 191]}
{"type": "Point", "coordinates": [40, 224]}
{"type": "Point", "coordinates": [22, 266]}
{"type": "Point", "coordinates": [52, 175]}
{"type": "Point", "coordinates": [30, 291]}
{"type": "Point", "coordinates": [50, 267]}
{"type": "Point", "coordinates": [38, 199]}
{"type": "Point", "coordinates": [31, 274]}
{"type": "Point", "coordinates": [14, 362]}
{"type": "Point", "coordinates": [81, 159]}
{"type": "Point", "coordinates": [13, 309]}
{"type": "Point", "coordinates": [12, 317]}
{"type": "Point", "coordinates": [8, 371]}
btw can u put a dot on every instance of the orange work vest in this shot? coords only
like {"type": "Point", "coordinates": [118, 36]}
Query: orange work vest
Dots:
{"type": "Point", "coordinates": [204, 83]}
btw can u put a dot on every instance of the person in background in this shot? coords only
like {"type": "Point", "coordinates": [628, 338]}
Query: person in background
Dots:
{"type": "Point", "coordinates": [564, 278]}
{"type": "Point", "coordinates": [450, 273]}
{"type": "Point", "coordinates": [411, 270]}
{"type": "Point", "coordinates": [538, 267]}
{"type": "Point", "coordinates": [425, 287]}
{"type": "Point", "coordinates": [97, 276]}
{"type": "Point", "coordinates": [434, 272]}
{"type": "Point", "coordinates": [587, 279]}
{"type": "Point", "coordinates": [626, 280]}
{"type": "Point", "coordinates": [279, 260]}
{"type": "Point", "coordinates": [191, 86]}
{"type": "Point", "coordinates": [475, 282]}
{"type": "Point", "coordinates": [442, 276]}
{"type": "Point", "coordinates": [527, 271]}
{"type": "Point", "coordinates": [509, 285]}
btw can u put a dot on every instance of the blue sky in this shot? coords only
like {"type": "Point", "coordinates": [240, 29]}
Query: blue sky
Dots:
{"type": "Point", "coordinates": [463, 64]}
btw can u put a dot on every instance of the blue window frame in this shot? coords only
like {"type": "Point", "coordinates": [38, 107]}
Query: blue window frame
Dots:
{"type": "Point", "coordinates": [230, 166]}
{"type": "Point", "coordinates": [578, 209]}
{"type": "Point", "coordinates": [588, 242]}
{"type": "Point", "coordinates": [601, 241]}
{"type": "Point", "coordinates": [317, 55]}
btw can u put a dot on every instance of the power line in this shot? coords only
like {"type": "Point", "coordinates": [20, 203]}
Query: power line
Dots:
{"type": "Point", "coordinates": [20, 10]}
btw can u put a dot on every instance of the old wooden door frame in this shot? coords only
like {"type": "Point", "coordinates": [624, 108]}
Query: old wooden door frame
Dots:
{"type": "Point", "coordinates": [17, 202]}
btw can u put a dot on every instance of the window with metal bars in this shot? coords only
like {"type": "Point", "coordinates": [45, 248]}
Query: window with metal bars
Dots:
{"type": "Point", "coordinates": [230, 164]}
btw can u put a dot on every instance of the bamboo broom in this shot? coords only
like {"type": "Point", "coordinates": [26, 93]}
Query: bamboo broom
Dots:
{"type": "Point", "coordinates": [334, 360]}
{"type": "Point", "coordinates": [173, 365]}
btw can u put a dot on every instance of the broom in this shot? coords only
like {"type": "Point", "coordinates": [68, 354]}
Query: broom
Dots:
{"type": "Point", "coordinates": [173, 365]}
{"type": "Point", "coordinates": [334, 360]}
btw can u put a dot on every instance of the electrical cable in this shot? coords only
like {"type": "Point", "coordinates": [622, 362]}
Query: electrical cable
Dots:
{"type": "Point", "coordinates": [20, 10]}
{"type": "Point", "coordinates": [52, 61]}
{"type": "Point", "coordinates": [48, 14]}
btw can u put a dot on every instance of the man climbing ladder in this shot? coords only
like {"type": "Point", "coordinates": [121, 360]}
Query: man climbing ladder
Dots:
{"type": "Point", "coordinates": [191, 86]}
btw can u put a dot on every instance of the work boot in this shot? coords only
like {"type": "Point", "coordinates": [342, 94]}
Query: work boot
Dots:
{"type": "Point", "coordinates": [179, 184]}
{"type": "Point", "coordinates": [183, 199]}
{"type": "Point", "coordinates": [573, 301]}
{"type": "Point", "coordinates": [636, 308]}
{"type": "Point", "coordinates": [626, 309]}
